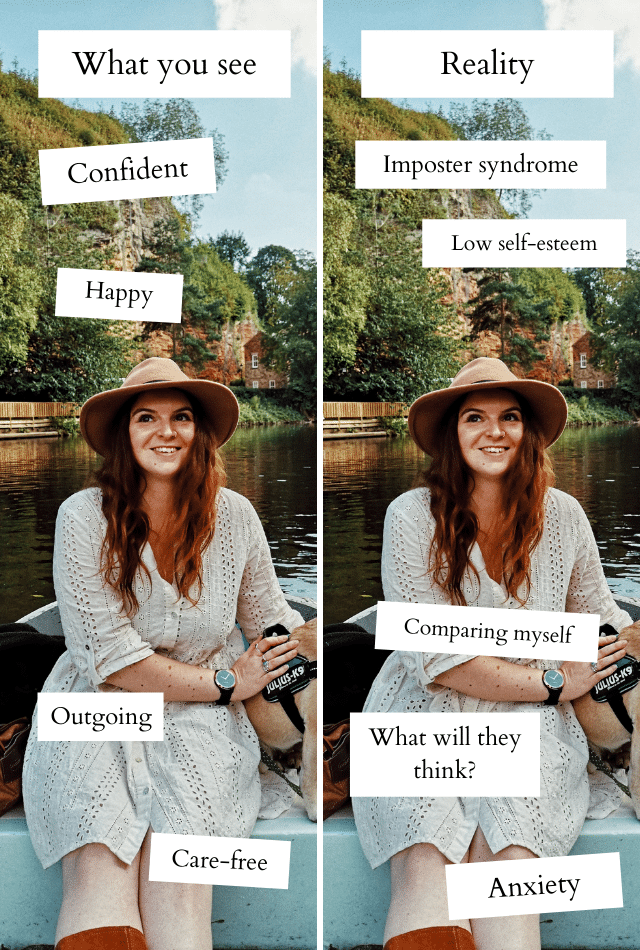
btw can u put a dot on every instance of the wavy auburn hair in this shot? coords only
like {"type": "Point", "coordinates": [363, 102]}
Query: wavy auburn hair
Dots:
{"type": "Point", "coordinates": [122, 483]}
{"type": "Point", "coordinates": [450, 482]}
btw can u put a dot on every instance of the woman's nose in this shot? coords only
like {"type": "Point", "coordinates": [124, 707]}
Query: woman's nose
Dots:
{"type": "Point", "coordinates": [495, 428]}
{"type": "Point", "coordinates": [166, 428]}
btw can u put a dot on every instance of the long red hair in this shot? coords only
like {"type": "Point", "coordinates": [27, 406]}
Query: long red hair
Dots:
{"type": "Point", "coordinates": [456, 527]}
{"type": "Point", "coordinates": [122, 484]}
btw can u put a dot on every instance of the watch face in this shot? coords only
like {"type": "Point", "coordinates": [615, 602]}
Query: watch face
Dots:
{"type": "Point", "coordinates": [554, 679]}
{"type": "Point", "coordinates": [225, 679]}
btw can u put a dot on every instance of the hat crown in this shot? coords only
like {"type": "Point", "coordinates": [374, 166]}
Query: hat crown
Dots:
{"type": "Point", "coordinates": [484, 369]}
{"type": "Point", "coordinates": [156, 369]}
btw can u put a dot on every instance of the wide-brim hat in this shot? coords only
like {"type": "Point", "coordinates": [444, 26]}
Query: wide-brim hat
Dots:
{"type": "Point", "coordinates": [218, 403]}
{"type": "Point", "coordinates": [547, 403]}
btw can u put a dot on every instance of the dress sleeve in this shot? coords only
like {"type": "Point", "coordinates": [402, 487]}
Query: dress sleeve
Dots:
{"type": "Point", "coordinates": [588, 591]}
{"type": "Point", "coordinates": [408, 530]}
{"type": "Point", "coordinates": [99, 637]}
{"type": "Point", "coordinates": [261, 602]}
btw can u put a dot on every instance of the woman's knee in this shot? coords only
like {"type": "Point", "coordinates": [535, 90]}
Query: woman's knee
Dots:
{"type": "Point", "coordinates": [95, 863]}
{"type": "Point", "coordinates": [420, 858]}
{"type": "Point", "coordinates": [514, 852]}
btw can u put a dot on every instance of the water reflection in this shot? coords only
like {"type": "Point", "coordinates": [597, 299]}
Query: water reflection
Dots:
{"type": "Point", "coordinates": [275, 468]}
{"type": "Point", "coordinates": [599, 466]}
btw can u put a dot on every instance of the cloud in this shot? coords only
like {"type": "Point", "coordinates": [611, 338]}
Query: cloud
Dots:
{"type": "Point", "coordinates": [259, 185]}
{"type": "Point", "coordinates": [623, 16]}
{"type": "Point", "coordinates": [299, 16]}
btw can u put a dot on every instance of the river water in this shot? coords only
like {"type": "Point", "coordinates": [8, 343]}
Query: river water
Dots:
{"type": "Point", "coordinates": [274, 467]}
{"type": "Point", "coordinates": [600, 466]}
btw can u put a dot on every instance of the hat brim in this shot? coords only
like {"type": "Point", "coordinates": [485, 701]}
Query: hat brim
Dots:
{"type": "Point", "coordinates": [547, 404]}
{"type": "Point", "coordinates": [217, 401]}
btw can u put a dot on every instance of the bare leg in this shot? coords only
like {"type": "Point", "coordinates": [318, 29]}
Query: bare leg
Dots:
{"type": "Point", "coordinates": [508, 933]}
{"type": "Point", "coordinates": [173, 915]}
{"type": "Point", "coordinates": [419, 893]}
{"type": "Point", "coordinates": [98, 890]}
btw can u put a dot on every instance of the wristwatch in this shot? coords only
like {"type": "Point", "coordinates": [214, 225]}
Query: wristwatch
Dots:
{"type": "Point", "coordinates": [225, 680]}
{"type": "Point", "coordinates": [554, 681]}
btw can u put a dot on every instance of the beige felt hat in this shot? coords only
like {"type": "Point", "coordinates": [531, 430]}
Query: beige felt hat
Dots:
{"type": "Point", "coordinates": [547, 403]}
{"type": "Point", "coordinates": [218, 403]}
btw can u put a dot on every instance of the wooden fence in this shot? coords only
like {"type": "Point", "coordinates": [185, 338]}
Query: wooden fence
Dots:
{"type": "Point", "coordinates": [359, 415]}
{"type": "Point", "coordinates": [33, 415]}
{"type": "Point", "coordinates": [362, 410]}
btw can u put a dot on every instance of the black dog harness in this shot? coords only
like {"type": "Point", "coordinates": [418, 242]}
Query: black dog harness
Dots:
{"type": "Point", "coordinates": [610, 690]}
{"type": "Point", "coordinates": [300, 673]}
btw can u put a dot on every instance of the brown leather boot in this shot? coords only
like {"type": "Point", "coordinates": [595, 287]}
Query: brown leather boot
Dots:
{"type": "Point", "coordinates": [104, 938]}
{"type": "Point", "coordinates": [432, 938]}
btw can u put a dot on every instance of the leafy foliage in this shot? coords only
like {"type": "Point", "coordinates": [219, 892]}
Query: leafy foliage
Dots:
{"type": "Point", "coordinates": [284, 284]}
{"type": "Point", "coordinates": [264, 412]}
{"type": "Point", "coordinates": [232, 247]}
{"type": "Point", "coordinates": [507, 306]}
{"type": "Point", "coordinates": [347, 117]}
{"type": "Point", "coordinates": [268, 276]}
{"type": "Point", "coordinates": [493, 121]}
{"type": "Point", "coordinates": [409, 339]}
{"type": "Point", "coordinates": [345, 287]}
{"type": "Point", "coordinates": [616, 313]}
{"type": "Point", "coordinates": [20, 287]}
{"type": "Point", "coordinates": [158, 120]}
{"type": "Point", "coordinates": [213, 294]}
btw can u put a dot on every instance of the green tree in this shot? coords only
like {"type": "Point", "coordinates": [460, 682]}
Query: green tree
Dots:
{"type": "Point", "coordinates": [291, 331]}
{"type": "Point", "coordinates": [557, 287]}
{"type": "Point", "coordinates": [213, 295]}
{"type": "Point", "coordinates": [506, 306]}
{"type": "Point", "coordinates": [161, 120]}
{"type": "Point", "coordinates": [498, 120]}
{"type": "Point", "coordinates": [232, 247]}
{"type": "Point", "coordinates": [267, 273]}
{"type": "Point", "coordinates": [20, 287]}
{"type": "Point", "coordinates": [410, 337]}
{"type": "Point", "coordinates": [345, 287]}
{"type": "Point", "coordinates": [67, 359]}
{"type": "Point", "coordinates": [618, 325]}
{"type": "Point", "coordinates": [599, 286]}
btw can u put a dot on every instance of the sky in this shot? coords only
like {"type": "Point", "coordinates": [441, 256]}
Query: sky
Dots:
{"type": "Point", "coordinates": [617, 120]}
{"type": "Point", "coordinates": [269, 194]}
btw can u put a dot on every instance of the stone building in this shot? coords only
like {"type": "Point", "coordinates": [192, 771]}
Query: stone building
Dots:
{"type": "Point", "coordinates": [258, 373]}
{"type": "Point", "coordinates": [586, 373]}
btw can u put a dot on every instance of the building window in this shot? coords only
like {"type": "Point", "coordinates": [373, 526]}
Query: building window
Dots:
{"type": "Point", "coordinates": [583, 384]}
{"type": "Point", "coordinates": [601, 384]}
{"type": "Point", "coordinates": [254, 361]}
{"type": "Point", "coordinates": [272, 384]}
{"type": "Point", "coordinates": [256, 384]}
{"type": "Point", "coordinates": [583, 361]}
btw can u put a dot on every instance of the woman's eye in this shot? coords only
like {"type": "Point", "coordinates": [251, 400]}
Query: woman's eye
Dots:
{"type": "Point", "coordinates": [145, 417]}
{"type": "Point", "coordinates": [183, 417]}
{"type": "Point", "coordinates": [512, 417]}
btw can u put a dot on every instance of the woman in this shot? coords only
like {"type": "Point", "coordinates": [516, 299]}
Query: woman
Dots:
{"type": "Point", "coordinates": [486, 529]}
{"type": "Point", "coordinates": [151, 569]}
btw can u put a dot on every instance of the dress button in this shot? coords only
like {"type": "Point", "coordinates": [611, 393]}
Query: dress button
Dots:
{"type": "Point", "coordinates": [145, 791]}
{"type": "Point", "coordinates": [138, 760]}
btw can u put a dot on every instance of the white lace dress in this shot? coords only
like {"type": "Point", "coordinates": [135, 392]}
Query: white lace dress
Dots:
{"type": "Point", "coordinates": [203, 778]}
{"type": "Point", "coordinates": [566, 574]}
